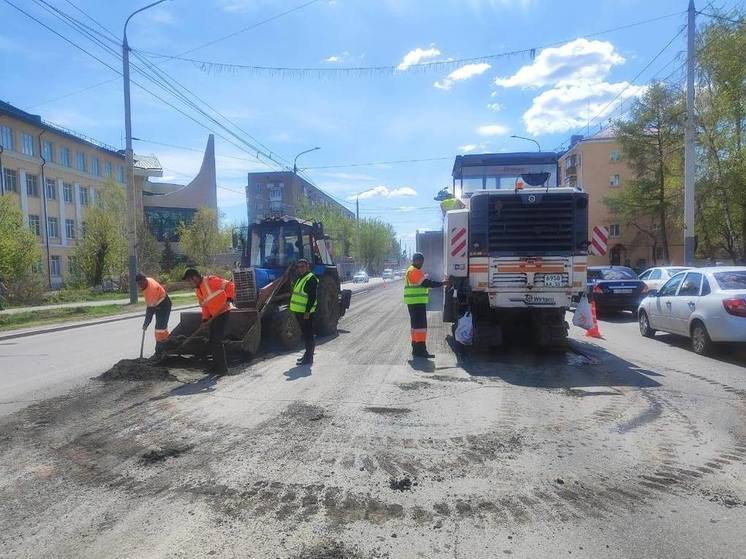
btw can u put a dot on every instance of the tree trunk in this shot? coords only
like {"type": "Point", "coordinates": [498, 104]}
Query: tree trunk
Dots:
{"type": "Point", "coordinates": [662, 200]}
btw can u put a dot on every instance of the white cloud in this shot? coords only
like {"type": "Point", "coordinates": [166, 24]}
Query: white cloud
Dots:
{"type": "Point", "coordinates": [405, 209]}
{"type": "Point", "coordinates": [337, 58]}
{"type": "Point", "coordinates": [464, 73]}
{"type": "Point", "coordinates": [416, 56]}
{"type": "Point", "coordinates": [384, 192]}
{"type": "Point", "coordinates": [569, 106]}
{"type": "Point", "coordinates": [492, 130]}
{"type": "Point", "coordinates": [495, 107]}
{"type": "Point", "coordinates": [580, 59]}
{"type": "Point", "coordinates": [468, 148]}
{"type": "Point", "coordinates": [236, 6]}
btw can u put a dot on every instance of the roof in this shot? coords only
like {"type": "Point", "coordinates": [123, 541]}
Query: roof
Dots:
{"type": "Point", "coordinates": [6, 109]}
{"type": "Point", "coordinates": [502, 159]}
{"type": "Point", "coordinates": [149, 162]}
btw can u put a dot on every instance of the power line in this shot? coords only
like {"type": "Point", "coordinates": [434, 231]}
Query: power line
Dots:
{"type": "Point", "coordinates": [374, 163]}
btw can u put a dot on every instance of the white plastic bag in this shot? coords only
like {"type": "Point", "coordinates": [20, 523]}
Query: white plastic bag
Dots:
{"type": "Point", "coordinates": [583, 317]}
{"type": "Point", "coordinates": [464, 330]}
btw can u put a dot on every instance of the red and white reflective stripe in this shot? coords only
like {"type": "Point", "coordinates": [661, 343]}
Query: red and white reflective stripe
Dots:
{"type": "Point", "coordinates": [458, 241]}
{"type": "Point", "coordinates": [599, 240]}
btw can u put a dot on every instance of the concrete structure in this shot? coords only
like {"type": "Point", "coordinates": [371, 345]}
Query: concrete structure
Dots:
{"type": "Point", "coordinates": [596, 165]}
{"type": "Point", "coordinates": [55, 174]}
{"type": "Point", "coordinates": [281, 192]}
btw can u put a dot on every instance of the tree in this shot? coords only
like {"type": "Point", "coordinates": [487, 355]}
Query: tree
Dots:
{"type": "Point", "coordinates": [204, 238]}
{"type": "Point", "coordinates": [652, 144]}
{"type": "Point", "coordinates": [102, 249]}
{"type": "Point", "coordinates": [148, 251]}
{"type": "Point", "coordinates": [337, 225]}
{"type": "Point", "coordinates": [19, 251]}
{"type": "Point", "coordinates": [168, 257]}
{"type": "Point", "coordinates": [377, 241]}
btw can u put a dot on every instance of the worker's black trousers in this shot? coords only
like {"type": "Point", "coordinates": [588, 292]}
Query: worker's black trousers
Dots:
{"type": "Point", "coordinates": [306, 329]}
{"type": "Point", "coordinates": [417, 316]}
{"type": "Point", "coordinates": [218, 327]}
{"type": "Point", "coordinates": [162, 314]}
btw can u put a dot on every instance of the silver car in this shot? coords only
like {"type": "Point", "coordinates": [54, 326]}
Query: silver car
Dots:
{"type": "Point", "coordinates": [655, 277]}
{"type": "Point", "coordinates": [707, 305]}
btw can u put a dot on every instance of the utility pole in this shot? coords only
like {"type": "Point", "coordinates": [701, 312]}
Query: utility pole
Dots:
{"type": "Point", "coordinates": [357, 224]}
{"type": "Point", "coordinates": [129, 161]}
{"type": "Point", "coordinates": [690, 165]}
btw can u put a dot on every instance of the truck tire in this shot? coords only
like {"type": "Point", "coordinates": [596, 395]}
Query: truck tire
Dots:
{"type": "Point", "coordinates": [326, 317]}
{"type": "Point", "coordinates": [284, 329]}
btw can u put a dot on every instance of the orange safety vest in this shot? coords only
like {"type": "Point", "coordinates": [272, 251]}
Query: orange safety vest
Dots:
{"type": "Point", "coordinates": [213, 294]}
{"type": "Point", "coordinates": [154, 293]}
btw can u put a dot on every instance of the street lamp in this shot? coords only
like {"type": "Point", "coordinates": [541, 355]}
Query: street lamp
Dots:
{"type": "Point", "coordinates": [528, 140]}
{"type": "Point", "coordinates": [129, 160]}
{"type": "Point", "coordinates": [295, 161]}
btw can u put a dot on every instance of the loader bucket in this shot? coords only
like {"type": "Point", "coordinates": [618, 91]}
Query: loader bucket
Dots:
{"type": "Point", "coordinates": [191, 336]}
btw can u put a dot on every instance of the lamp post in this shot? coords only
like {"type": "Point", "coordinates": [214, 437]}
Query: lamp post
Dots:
{"type": "Point", "coordinates": [295, 161]}
{"type": "Point", "coordinates": [527, 139]}
{"type": "Point", "coordinates": [129, 160]}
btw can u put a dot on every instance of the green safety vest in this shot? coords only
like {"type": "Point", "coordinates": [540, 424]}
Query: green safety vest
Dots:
{"type": "Point", "coordinates": [299, 298]}
{"type": "Point", "coordinates": [414, 294]}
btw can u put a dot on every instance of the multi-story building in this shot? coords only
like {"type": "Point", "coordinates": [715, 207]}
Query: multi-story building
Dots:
{"type": "Point", "coordinates": [596, 165]}
{"type": "Point", "coordinates": [55, 174]}
{"type": "Point", "coordinates": [281, 192]}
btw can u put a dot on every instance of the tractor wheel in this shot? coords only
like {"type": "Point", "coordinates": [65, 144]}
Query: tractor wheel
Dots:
{"type": "Point", "coordinates": [284, 329]}
{"type": "Point", "coordinates": [327, 310]}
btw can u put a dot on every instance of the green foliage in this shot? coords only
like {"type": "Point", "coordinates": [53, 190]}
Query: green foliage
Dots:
{"type": "Point", "coordinates": [168, 257]}
{"type": "Point", "coordinates": [204, 238]}
{"type": "Point", "coordinates": [339, 227]}
{"type": "Point", "coordinates": [652, 143]}
{"type": "Point", "coordinates": [148, 251]}
{"type": "Point", "coordinates": [375, 242]}
{"type": "Point", "coordinates": [102, 252]}
{"type": "Point", "coordinates": [19, 250]}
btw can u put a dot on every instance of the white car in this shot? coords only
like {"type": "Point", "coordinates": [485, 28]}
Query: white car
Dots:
{"type": "Point", "coordinates": [655, 277]}
{"type": "Point", "coordinates": [388, 274]}
{"type": "Point", "coordinates": [360, 277]}
{"type": "Point", "coordinates": [707, 305]}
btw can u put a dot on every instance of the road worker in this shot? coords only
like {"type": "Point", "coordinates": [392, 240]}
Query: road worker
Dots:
{"type": "Point", "coordinates": [303, 305]}
{"type": "Point", "coordinates": [416, 285]}
{"type": "Point", "coordinates": [215, 296]}
{"type": "Point", "coordinates": [158, 304]}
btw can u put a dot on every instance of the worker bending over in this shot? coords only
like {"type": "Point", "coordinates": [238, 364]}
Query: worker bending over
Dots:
{"type": "Point", "coordinates": [215, 296]}
{"type": "Point", "coordinates": [303, 304]}
{"type": "Point", "coordinates": [416, 285]}
{"type": "Point", "coordinates": [158, 304]}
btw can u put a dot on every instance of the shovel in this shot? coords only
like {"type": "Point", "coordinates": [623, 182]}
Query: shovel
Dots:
{"type": "Point", "coordinates": [142, 343]}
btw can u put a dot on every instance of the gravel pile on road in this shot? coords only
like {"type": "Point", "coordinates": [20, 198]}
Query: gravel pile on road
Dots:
{"type": "Point", "coordinates": [136, 369]}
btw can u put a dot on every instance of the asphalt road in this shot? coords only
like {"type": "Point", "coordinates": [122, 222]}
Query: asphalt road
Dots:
{"type": "Point", "coordinates": [622, 447]}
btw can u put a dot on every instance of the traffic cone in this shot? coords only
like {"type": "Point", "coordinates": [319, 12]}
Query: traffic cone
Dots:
{"type": "Point", "coordinates": [594, 331]}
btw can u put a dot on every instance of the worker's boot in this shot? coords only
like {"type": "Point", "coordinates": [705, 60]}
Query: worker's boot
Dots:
{"type": "Point", "coordinates": [414, 349]}
{"type": "Point", "coordinates": [424, 352]}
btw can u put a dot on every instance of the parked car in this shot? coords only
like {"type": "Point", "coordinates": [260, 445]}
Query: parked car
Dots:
{"type": "Point", "coordinates": [707, 305]}
{"type": "Point", "coordinates": [615, 288]}
{"type": "Point", "coordinates": [360, 277]}
{"type": "Point", "coordinates": [388, 274]}
{"type": "Point", "coordinates": [654, 278]}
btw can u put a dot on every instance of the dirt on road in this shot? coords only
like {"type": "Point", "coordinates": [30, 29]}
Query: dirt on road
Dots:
{"type": "Point", "coordinates": [625, 451]}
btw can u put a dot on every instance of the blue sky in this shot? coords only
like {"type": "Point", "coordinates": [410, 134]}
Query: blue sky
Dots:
{"type": "Point", "coordinates": [413, 113]}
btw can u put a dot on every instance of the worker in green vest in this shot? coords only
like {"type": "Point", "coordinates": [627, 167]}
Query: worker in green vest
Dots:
{"type": "Point", "coordinates": [416, 285]}
{"type": "Point", "coordinates": [303, 304]}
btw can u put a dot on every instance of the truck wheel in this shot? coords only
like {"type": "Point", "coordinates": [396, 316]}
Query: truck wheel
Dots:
{"type": "Point", "coordinates": [327, 309]}
{"type": "Point", "coordinates": [284, 329]}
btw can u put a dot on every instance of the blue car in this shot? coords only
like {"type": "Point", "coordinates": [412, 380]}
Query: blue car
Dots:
{"type": "Point", "coordinates": [615, 288]}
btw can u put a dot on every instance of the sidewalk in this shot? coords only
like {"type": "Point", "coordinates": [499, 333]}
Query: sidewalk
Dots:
{"type": "Point", "coordinates": [102, 303]}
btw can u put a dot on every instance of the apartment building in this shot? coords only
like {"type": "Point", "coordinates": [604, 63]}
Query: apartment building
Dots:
{"type": "Point", "coordinates": [281, 192]}
{"type": "Point", "coordinates": [597, 166]}
{"type": "Point", "coordinates": [55, 173]}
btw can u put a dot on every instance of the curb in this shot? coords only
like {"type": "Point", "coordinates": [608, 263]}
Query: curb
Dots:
{"type": "Point", "coordinates": [82, 324]}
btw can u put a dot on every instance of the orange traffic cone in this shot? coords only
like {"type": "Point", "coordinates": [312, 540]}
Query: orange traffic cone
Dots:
{"type": "Point", "coordinates": [594, 331]}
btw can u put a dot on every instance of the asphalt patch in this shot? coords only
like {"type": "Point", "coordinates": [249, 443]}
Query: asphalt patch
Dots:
{"type": "Point", "coordinates": [388, 411]}
{"type": "Point", "coordinates": [335, 550]}
{"type": "Point", "coordinates": [415, 385]}
{"type": "Point", "coordinates": [403, 484]}
{"type": "Point", "coordinates": [137, 370]}
{"type": "Point", "coordinates": [157, 455]}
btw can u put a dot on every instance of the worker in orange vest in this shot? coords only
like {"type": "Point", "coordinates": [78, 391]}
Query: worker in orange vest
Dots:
{"type": "Point", "coordinates": [416, 286]}
{"type": "Point", "coordinates": [158, 304]}
{"type": "Point", "coordinates": [215, 296]}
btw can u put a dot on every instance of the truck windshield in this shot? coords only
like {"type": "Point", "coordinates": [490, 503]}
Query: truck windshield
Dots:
{"type": "Point", "coordinates": [275, 248]}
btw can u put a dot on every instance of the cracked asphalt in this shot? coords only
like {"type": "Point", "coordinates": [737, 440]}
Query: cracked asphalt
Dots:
{"type": "Point", "coordinates": [621, 447]}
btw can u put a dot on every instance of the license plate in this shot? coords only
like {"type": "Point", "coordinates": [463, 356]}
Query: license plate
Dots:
{"type": "Point", "coordinates": [624, 290]}
{"type": "Point", "coordinates": [553, 280]}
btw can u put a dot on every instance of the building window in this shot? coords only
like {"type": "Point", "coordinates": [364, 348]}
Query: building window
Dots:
{"type": "Point", "coordinates": [120, 173]}
{"type": "Point", "coordinates": [34, 224]}
{"type": "Point", "coordinates": [10, 180]}
{"type": "Point", "coordinates": [53, 227]}
{"type": "Point", "coordinates": [32, 186]}
{"type": "Point", "coordinates": [67, 192]}
{"type": "Point", "coordinates": [83, 196]}
{"type": "Point", "coordinates": [83, 230]}
{"type": "Point", "coordinates": [615, 230]}
{"type": "Point", "coordinates": [6, 137]}
{"type": "Point", "coordinates": [65, 157]}
{"type": "Point", "coordinates": [55, 265]}
{"type": "Point", "coordinates": [95, 170]}
{"type": "Point", "coordinates": [615, 155]}
{"type": "Point", "coordinates": [70, 228]}
{"type": "Point", "coordinates": [275, 195]}
{"type": "Point", "coordinates": [47, 151]}
{"type": "Point", "coordinates": [51, 190]}
{"type": "Point", "coordinates": [164, 222]}
{"type": "Point", "coordinates": [28, 144]}
{"type": "Point", "coordinates": [614, 180]}
{"type": "Point", "coordinates": [80, 161]}
{"type": "Point", "coordinates": [107, 169]}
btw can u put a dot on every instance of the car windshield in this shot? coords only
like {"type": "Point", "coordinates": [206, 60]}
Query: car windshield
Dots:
{"type": "Point", "coordinates": [612, 274]}
{"type": "Point", "coordinates": [730, 281]}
